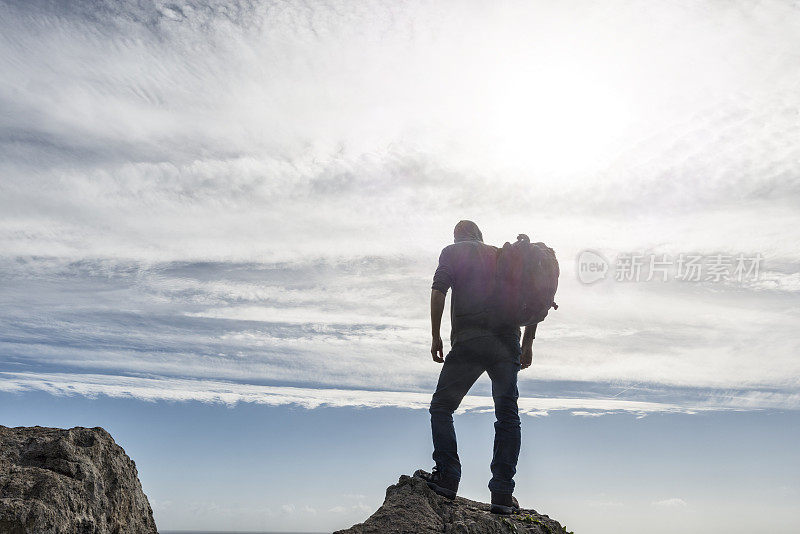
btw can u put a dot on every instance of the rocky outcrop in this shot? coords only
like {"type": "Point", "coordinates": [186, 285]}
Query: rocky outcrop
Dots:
{"type": "Point", "coordinates": [411, 507]}
{"type": "Point", "coordinates": [76, 481]}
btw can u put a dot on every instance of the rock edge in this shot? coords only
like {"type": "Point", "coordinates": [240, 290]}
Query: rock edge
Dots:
{"type": "Point", "coordinates": [411, 507]}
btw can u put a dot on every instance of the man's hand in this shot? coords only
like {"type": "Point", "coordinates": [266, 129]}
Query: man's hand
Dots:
{"type": "Point", "coordinates": [526, 358]}
{"type": "Point", "coordinates": [436, 349]}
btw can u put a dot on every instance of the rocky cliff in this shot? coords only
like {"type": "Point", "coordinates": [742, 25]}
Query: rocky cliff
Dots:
{"type": "Point", "coordinates": [75, 481]}
{"type": "Point", "coordinates": [411, 507]}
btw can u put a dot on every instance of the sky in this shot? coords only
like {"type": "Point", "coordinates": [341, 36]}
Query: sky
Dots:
{"type": "Point", "coordinates": [219, 222]}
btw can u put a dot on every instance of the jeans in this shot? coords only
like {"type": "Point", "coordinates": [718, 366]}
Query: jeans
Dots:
{"type": "Point", "coordinates": [466, 362]}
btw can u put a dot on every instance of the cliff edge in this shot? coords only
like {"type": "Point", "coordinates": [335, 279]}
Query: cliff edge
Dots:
{"type": "Point", "coordinates": [411, 507]}
{"type": "Point", "coordinates": [76, 481]}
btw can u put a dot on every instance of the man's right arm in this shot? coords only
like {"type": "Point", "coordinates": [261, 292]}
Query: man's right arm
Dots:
{"type": "Point", "coordinates": [437, 308]}
{"type": "Point", "coordinates": [442, 281]}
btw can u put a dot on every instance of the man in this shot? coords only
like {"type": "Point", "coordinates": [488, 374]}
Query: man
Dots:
{"type": "Point", "coordinates": [468, 266]}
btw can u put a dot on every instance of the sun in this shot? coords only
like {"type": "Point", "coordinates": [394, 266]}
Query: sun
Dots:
{"type": "Point", "coordinates": [563, 118]}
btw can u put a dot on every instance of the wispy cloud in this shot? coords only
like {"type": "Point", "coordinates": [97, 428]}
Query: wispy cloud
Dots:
{"type": "Point", "coordinates": [232, 191]}
{"type": "Point", "coordinates": [674, 502]}
{"type": "Point", "coordinates": [361, 322]}
{"type": "Point", "coordinates": [231, 393]}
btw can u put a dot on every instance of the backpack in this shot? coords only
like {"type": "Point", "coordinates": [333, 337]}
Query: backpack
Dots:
{"type": "Point", "coordinates": [525, 283]}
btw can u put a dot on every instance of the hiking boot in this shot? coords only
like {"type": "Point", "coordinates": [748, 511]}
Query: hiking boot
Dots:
{"type": "Point", "coordinates": [444, 485]}
{"type": "Point", "coordinates": [504, 504]}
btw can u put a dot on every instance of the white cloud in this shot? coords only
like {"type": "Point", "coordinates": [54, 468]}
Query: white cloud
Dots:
{"type": "Point", "coordinates": [205, 134]}
{"type": "Point", "coordinates": [219, 392]}
{"type": "Point", "coordinates": [270, 323]}
{"type": "Point", "coordinates": [674, 502]}
{"type": "Point", "coordinates": [259, 196]}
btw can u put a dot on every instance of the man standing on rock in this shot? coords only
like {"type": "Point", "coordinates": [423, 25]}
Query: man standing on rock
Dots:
{"type": "Point", "coordinates": [468, 267]}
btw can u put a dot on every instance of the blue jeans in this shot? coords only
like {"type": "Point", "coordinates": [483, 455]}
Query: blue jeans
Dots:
{"type": "Point", "coordinates": [466, 362]}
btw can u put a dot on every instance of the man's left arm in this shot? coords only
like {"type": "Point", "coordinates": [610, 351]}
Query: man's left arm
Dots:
{"type": "Point", "coordinates": [527, 346]}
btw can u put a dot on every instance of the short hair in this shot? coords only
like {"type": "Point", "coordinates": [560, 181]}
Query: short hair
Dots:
{"type": "Point", "coordinates": [467, 231]}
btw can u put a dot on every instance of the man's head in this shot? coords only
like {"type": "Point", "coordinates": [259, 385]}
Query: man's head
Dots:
{"type": "Point", "coordinates": [467, 231]}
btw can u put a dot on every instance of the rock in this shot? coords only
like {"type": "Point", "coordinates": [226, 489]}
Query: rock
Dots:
{"type": "Point", "coordinates": [411, 507]}
{"type": "Point", "coordinates": [76, 481]}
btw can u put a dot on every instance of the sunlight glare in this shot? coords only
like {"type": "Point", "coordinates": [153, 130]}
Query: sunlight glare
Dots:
{"type": "Point", "coordinates": [544, 116]}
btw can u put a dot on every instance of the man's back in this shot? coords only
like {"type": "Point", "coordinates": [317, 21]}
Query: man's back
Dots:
{"type": "Point", "coordinates": [468, 267]}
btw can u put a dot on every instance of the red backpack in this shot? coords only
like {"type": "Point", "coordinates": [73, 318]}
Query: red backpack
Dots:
{"type": "Point", "coordinates": [525, 283]}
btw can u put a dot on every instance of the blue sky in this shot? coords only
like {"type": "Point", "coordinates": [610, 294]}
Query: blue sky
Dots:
{"type": "Point", "coordinates": [228, 214]}
{"type": "Point", "coordinates": [253, 467]}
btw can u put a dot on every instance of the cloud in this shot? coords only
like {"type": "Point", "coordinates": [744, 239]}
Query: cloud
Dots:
{"type": "Point", "coordinates": [228, 190]}
{"type": "Point", "coordinates": [351, 324]}
{"type": "Point", "coordinates": [290, 509]}
{"type": "Point", "coordinates": [231, 393]}
{"type": "Point", "coordinates": [674, 502]}
{"type": "Point", "coordinates": [206, 129]}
